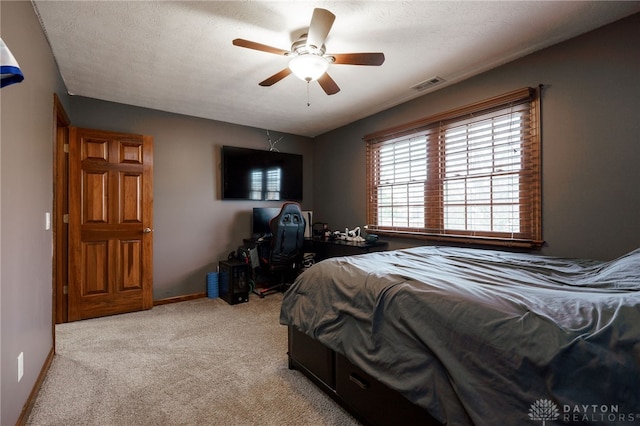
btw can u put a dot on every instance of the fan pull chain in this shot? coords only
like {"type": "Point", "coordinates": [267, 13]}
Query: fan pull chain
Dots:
{"type": "Point", "coordinates": [308, 101]}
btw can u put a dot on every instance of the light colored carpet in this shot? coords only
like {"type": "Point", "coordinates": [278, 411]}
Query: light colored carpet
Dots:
{"type": "Point", "coordinates": [200, 362]}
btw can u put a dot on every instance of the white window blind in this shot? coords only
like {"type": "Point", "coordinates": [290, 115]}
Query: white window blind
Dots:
{"type": "Point", "coordinates": [256, 185]}
{"type": "Point", "coordinates": [274, 183]}
{"type": "Point", "coordinates": [267, 181]}
{"type": "Point", "coordinates": [402, 175]}
{"type": "Point", "coordinates": [471, 173]}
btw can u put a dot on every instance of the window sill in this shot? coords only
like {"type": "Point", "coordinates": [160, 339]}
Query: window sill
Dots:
{"type": "Point", "coordinates": [462, 239]}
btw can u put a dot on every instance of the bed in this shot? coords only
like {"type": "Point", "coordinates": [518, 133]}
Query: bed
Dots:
{"type": "Point", "coordinates": [470, 336]}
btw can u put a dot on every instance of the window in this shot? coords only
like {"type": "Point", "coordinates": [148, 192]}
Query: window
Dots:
{"type": "Point", "coordinates": [274, 182]}
{"type": "Point", "coordinates": [271, 179]}
{"type": "Point", "coordinates": [256, 185]}
{"type": "Point", "coordinates": [471, 174]}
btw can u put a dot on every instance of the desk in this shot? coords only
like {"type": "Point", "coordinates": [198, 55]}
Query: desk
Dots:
{"type": "Point", "coordinates": [325, 248]}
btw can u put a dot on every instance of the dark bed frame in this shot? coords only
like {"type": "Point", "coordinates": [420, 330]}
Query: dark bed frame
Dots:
{"type": "Point", "coordinates": [368, 400]}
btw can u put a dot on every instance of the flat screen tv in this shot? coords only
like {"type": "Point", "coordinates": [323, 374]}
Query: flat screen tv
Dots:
{"type": "Point", "coordinates": [260, 220]}
{"type": "Point", "coordinates": [252, 174]}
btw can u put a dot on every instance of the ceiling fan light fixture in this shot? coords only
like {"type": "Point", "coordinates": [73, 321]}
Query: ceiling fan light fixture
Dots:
{"type": "Point", "coordinates": [308, 67]}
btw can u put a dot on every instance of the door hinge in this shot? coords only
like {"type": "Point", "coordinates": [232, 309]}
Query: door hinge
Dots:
{"type": "Point", "coordinates": [65, 148]}
{"type": "Point", "coordinates": [65, 289]}
{"type": "Point", "coordinates": [65, 218]}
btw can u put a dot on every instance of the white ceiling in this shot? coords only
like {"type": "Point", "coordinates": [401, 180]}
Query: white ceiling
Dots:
{"type": "Point", "coordinates": [177, 56]}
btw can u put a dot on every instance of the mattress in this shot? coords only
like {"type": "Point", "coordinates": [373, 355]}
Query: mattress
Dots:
{"type": "Point", "coordinates": [483, 336]}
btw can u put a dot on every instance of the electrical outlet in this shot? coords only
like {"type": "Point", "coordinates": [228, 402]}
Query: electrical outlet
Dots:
{"type": "Point", "coordinates": [20, 366]}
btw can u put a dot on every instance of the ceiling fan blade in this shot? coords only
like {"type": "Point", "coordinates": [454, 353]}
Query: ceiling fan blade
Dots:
{"type": "Point", "coordinates": [321, 23]}
{"type": "Point", "coordinates": [328, 85]}
{"type": "Point", "coordinates": [358, 58]}
{"type": "Point", "coordinates": [276, 77]}
{"type": "Point", "coordinates": [259, 46]}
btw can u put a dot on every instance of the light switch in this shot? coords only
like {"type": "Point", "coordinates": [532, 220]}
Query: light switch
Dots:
{"type": "Point", "coordinates": [47, 221]}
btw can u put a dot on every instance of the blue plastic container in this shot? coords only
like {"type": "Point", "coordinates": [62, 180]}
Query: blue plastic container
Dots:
{"type": "Point", "coordinates": [212, 285]}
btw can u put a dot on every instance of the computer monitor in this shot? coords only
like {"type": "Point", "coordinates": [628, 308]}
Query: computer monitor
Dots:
{"type": "Point", "coordinates": [260, 220]}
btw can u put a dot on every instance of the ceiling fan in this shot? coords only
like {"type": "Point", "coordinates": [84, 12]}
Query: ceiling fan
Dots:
{"type": "Point", "coordinates": [309, 62]}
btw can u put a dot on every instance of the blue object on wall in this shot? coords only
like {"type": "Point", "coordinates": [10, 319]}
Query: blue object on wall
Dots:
{"type": "Point", "coordinates": [10, 72]}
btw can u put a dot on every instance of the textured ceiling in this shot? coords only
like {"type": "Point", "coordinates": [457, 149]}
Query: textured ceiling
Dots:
{"type": "Point", "coordinates": [177, 56]}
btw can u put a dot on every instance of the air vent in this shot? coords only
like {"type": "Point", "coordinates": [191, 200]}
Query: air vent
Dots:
{"type": "Point", "coordinates": [427, 84]}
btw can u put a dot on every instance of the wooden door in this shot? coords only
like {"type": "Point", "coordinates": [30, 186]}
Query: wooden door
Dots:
{"type": "Point", "coordinates": [110, 223]}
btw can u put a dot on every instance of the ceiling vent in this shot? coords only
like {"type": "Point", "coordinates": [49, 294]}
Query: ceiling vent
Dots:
{"type": "Point", "coordinates": [433, 81]}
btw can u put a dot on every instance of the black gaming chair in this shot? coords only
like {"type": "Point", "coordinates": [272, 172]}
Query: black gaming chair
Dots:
{"type": "Point", "coordinates": [286, 247]}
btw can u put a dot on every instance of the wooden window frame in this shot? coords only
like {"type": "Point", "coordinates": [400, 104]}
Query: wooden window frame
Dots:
{"type": "Point", "coordinates": [529, 235]}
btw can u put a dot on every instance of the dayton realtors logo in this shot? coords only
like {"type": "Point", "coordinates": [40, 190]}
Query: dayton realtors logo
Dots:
{"type": "Point", "coordinates": [545, 410]}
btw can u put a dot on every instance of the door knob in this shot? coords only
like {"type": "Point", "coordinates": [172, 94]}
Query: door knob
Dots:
{"type": "Point", "coordinates": [147, 230]}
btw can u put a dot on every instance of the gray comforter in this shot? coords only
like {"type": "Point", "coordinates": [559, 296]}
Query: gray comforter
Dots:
{"type": "Point", "coordinates": [484, 336]}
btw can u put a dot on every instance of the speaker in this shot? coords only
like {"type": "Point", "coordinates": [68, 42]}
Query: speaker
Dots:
{"type": "Point", "coordinates": [233, 281]}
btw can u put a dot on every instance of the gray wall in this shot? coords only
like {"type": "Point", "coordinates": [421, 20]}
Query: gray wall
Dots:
{"type": "Point", "coordinates": [26, 182]}
{"type": "Point", "coordinates": [193, 228]}
{"type": "Point", "coordinates": [590, 134]}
